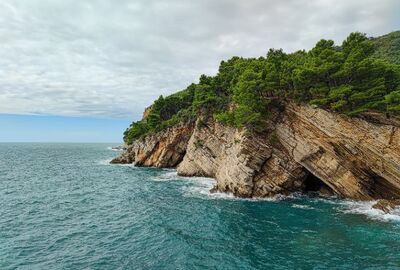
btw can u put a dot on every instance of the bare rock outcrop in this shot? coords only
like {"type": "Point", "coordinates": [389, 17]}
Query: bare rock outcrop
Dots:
{"type": "Point", "coordinates": [243, 164]}
{"type": "Point", "coordinates": [162, 149]}
{"type": "Point", "coordinates": [357, 159]}
{"type": "Point", "coordinates": [303, 149]}
{"type": "Point", "coordinates": [387, 205]}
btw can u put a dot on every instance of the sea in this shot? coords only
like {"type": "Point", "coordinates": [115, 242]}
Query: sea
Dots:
{"type": "Point", "coordinates": [63, 206]}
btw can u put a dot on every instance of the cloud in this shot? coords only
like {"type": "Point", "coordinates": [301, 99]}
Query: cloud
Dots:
{"type": "Point", "coordinates": [110, 58]}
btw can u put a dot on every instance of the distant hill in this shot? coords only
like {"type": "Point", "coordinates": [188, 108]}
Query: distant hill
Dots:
{"type": "Point", "coordinates": [388, 47]}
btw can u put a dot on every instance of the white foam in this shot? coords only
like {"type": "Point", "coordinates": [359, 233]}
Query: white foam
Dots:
{"type": "Point", "coordinates": [200, 188]}
{"type": "Point", "coordinates": [309, 231]}
{"type": "Point", "coordinates": [195, 186]}
{"type": "Point", "coordinates": [169, 175]}
{"type": "Point", "coordinates": [365, 208]}
{"type": "Point", "coordinates": [302, 206]}
{"type": "Point", "coordinates": [115, 149]}
{"type": "Point", "coordinates": [106, 162]}
{"type": "Point", "coordinates": [276, 198]}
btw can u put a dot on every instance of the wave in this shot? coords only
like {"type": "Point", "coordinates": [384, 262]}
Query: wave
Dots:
{"type": "Point", "coordinates": [169, 175]}
{"type": "Point", "coordinates": [106, 162]}
{"type": "Point", "coordinates": [302, 206]}
{"type": "Point", "coordinates": [203, 191]}
{"type": "Point", "coordinates": [195, 186]}
{"type": "Point", "coordinates": [199, 187]}
{"type": "Point", "coordinates": [112, 148]}
{"type": "Point", "coordinates": [365, 208]}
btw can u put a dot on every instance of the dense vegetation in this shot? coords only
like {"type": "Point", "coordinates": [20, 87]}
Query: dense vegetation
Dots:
{"type": "Point", "coordinates": [388, 47]}
{"type": "Point", "coordinates": [350, 79]}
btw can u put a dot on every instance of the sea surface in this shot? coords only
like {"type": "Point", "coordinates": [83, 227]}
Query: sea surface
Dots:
{"type": "Point", "coordinates": [63, 206]}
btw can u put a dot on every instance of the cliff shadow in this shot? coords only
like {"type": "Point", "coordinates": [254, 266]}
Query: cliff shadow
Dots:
{"type": "Point", "coordinates": [313, 185]}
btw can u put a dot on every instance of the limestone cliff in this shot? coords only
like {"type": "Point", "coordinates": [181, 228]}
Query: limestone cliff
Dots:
{"type": "Point", "coordinates": [356, 158]}
{"type": "Point", "coordinates": [303, 149]}
{"type": "Point", "coordinates": [246, 165]}
{"type": "Point", "coordinates": [163, 149]}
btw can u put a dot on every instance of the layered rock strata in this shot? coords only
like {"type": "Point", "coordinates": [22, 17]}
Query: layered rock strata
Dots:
{"type": "Point", "coordinates": [303, 149]}
{"type": "Point", "coordinates": [162, 149]}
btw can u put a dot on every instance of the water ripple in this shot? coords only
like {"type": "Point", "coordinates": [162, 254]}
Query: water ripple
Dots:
{"type": "Point", "coordinates": [63, 206]}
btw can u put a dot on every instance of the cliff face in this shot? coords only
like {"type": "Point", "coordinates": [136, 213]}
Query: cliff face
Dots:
{"type": "Point", "coordinates": [163, 149]}
{"type": "Point", "coordinates": [242, 164]}
{"type": "Point", "coordinates": [356, 158]}
{"type": "Point", "coordinates": [304, 149]}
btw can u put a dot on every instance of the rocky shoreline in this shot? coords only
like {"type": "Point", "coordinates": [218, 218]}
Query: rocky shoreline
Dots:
{"type": "Point", "coordinates": [304, 149]}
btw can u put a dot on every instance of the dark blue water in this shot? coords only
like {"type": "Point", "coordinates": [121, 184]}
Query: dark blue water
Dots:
{"type": "Point", "coordinates": [63, 207]}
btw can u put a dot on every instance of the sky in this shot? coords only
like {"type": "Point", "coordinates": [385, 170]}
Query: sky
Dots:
{"type": "Point", "coordinates": [94, 65]}
{"type": "Point", "coordinates": [45, 128]}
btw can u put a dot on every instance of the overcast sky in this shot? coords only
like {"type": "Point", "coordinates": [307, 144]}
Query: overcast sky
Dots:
{"type": "Point", "coordinates": [110, 59]}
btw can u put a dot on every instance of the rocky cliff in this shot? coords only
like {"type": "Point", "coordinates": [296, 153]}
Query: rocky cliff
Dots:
{"type": "Point", "coordinates": [162, 149]}
{"type": "Point", "coordinates": [303, 149]}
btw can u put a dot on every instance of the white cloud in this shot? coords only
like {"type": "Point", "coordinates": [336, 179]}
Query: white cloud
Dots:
{"type": "Point", "coordinates": [110, 58]}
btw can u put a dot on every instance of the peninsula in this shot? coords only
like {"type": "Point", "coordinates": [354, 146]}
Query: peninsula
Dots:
{"type": "Point", "coordinates": [324, 120]}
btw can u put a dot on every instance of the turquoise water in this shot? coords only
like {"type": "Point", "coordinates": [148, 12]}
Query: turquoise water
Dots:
{"type": "Point", "coordinates": [62, 206]}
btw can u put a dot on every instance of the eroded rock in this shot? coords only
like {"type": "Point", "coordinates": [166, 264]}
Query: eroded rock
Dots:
{"type": "Point", "coordinates": [386, 205]}
{"type": "Point", "coordinates": [162, 149]}
{"type": "Point", "coordinates": [355, 158]}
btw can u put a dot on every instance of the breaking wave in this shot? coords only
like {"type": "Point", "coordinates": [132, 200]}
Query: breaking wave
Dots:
{"type": "Point", "coordinates": [112, 148]}
{"type": "Point", "coordinates": [365, 208]}
{"type": "Point", "coordinates": [199, 187]}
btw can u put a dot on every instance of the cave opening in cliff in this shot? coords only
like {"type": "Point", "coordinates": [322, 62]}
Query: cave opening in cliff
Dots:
{"type": "Point", "coordinates": [313, 184]}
